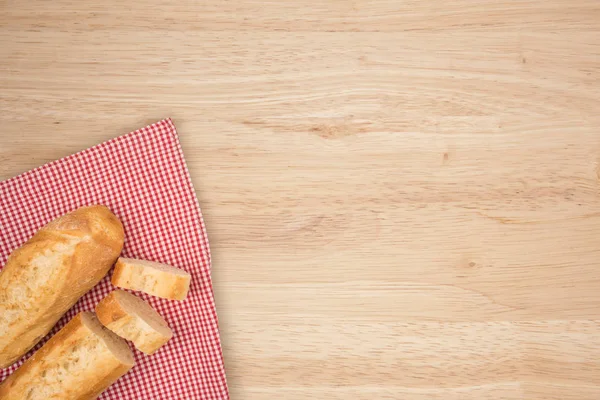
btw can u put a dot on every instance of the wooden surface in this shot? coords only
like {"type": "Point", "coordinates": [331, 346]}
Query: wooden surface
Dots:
{"type": "Point", "coordinates": [402, 196]}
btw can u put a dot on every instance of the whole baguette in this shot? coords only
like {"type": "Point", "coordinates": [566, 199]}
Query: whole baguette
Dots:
{"type": "Point", "coordinates": [47, 275]}
{"type": "Point", "coordinates": [78, 363]}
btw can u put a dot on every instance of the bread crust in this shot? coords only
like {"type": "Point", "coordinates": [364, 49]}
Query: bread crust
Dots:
{"type": "Point", "coordinates": [74, 364]}
{"type": "Point", "coordinates": [131, 325]}
{"type": "Point", "coordinates": [140, 276]}
{"type": "Point", "coordinates": [48, 274]}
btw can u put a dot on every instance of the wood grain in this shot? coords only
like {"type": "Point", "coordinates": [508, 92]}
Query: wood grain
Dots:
{"type": "Point", "coordinates": [402, 197]}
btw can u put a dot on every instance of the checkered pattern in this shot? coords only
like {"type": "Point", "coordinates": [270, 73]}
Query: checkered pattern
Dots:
{"type": "Point", "coordinates": [143, 179]}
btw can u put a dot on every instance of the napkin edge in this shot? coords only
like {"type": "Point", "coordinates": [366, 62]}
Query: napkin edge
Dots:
{"type": "Point", "coordinates": [166, 121]}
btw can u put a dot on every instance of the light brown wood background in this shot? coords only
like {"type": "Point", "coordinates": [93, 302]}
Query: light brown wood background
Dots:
{"type": "Point", "coordinates": [402, 196]}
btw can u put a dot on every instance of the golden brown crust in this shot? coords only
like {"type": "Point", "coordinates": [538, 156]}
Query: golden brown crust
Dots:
{"type": "Point", "coordinates": [75, 363]}
{"type": "Point", "coordinates": [109, 309]}
{"type": "Point", "coordinates": [133, 319]}
{"type": "Point", "coordinates": [144, 276]}
{"type": "Point", "coordinates": [118, 273]}
{"type": "Point", "coordinates": [47, 275]}
{"type": "Point", "coordinates": [180, 289]}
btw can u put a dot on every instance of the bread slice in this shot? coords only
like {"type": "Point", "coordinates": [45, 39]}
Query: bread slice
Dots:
{"type": "Point", "coordinates": [133, 319]}
{"type": "Point", "coordinates": [79, 362]}
{"type": "Point", "coordinates": [47, 275]}
{"type": "Point", "coordinates": [154, 278]}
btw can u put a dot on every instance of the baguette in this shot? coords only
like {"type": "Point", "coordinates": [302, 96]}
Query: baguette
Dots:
{"type": "Point", "coordinates": [133, 319]}
{"type": "Point", "coordinates": [78, 363]}
{"type": "Point", "coordinates": [48, 274]}
{"type": "Point", "coordinates": [154, 278]}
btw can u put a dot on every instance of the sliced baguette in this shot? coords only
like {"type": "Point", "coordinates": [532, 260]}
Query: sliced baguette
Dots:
{"type": "Point", "coordinates": [47, 275]}
{"type": "Point", "coordinates": [79, 362]}
{"type": "Point", "coordinates": [154, 278]}
{"type": "Point", "coordinates": [133, 319]}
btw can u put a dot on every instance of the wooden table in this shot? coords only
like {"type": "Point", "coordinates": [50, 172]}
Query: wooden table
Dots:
{"type": "Point", "coordinates": [402, 196]}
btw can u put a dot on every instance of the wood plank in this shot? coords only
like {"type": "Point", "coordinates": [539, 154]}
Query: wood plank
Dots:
{"type": "Point", "coordinates": [401, 196]}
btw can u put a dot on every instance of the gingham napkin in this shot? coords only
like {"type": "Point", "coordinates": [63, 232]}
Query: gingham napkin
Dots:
{"type": "Point", "coordinates": [143, 179]}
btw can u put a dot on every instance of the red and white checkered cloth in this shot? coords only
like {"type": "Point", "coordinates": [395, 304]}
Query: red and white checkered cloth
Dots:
{"type": "Point", "coordinates": [143, 179]}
